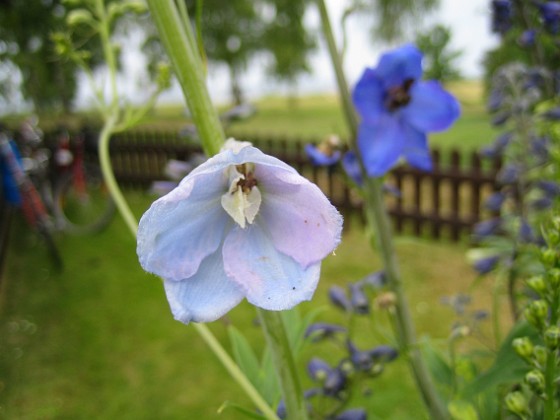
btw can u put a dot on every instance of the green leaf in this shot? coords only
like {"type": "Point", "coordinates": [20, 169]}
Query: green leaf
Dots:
{"type": "Point", "coordinates": [244, 355]}
{"type": "Point", "coordinates": [245, 411]}
{"type": "Point", "coordinates": [507, 367]}
{"type": "Point", "coordinates": [440, 369]}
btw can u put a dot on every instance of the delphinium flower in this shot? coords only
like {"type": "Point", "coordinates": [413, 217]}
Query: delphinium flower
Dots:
{"type": "Point", "coordinates": [527, 38]}
{"type": "Point", "coordinates": [502, 11]}
{"type": "Point", "coordinates": [550, 14]}
{"type": "Point", "coordinates": [326, 153]}
{"type": "Point", "coordinates": [241, 225]}
{"type": "Point", "coordinates": [397, 109]}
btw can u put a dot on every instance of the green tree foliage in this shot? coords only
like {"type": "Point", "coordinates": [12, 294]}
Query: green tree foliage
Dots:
{"type": "Point", "coordinates": [235, 31]}
{"type": "Point", "coordinates": [25, 26]}
{"type": "Point", "coordinates": [439, 61]}
{"type": "Point", "coordinates": [393, 20]}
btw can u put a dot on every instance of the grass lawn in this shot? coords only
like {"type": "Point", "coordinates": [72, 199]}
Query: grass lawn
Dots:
{"type": "Point", "coordinates": [98, 341]}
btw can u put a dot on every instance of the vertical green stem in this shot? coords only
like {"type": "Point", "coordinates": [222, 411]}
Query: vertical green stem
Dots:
{"type": "Point", "coordinates": [109, 176]}
{"type": "Point", "coordinates": [550, 372]}
{"type": "Point", "coordinates": [345, 97]}
{"type": "Point", "coordinates": [284, 363]}
{"type": "Point", "coordinates": [189, 72]}
{"type": "Point", "coordinates": [378, 218]}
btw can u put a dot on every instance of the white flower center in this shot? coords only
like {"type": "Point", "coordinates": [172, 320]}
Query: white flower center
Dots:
{"type": "Point", "coordinates": [243, 199]}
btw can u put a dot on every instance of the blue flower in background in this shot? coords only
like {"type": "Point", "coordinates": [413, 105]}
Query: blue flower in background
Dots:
{"type": "Point", "coordinates": [241, 225]}
{"type": "Point", "coordinates": [550, 14]}
{"type": "Point", "coordinates": [327, 153]}
{"type": "Point", "coordinates": [397, 109]}
{"type": "Point", "coordinates": [501, 16]}
{"type": "Point", "coordinates": [352, 168]}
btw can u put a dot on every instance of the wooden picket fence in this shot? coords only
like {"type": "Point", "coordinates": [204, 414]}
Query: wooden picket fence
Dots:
{"type": "Point", "coordinates": [444, 203]}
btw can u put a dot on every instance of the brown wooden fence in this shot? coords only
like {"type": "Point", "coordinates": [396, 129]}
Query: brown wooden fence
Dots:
{"type": "Point", "coordinates": [444, 203]}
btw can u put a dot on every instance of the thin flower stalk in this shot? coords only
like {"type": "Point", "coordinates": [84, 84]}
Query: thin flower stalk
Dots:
{"type": "Point", "coordinates": [378, 218]}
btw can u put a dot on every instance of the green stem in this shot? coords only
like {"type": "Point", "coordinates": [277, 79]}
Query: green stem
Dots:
{"type": "Point", "coordinates": [550, 372]}
{"type": "Point", "coordinates": [234, 371]}
{"type": "Point", "coordinates": [378, 218]}
{"type": "Point", "coordinates": [345, 96]}
{"type": "Point", "coordinates": [277, 340]}
{"type": "Point", "coordinates": [189, 72]}
{"type": "Point", "coordinates": [109, 176]}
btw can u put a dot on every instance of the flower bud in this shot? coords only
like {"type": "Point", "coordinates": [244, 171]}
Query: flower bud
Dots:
{"type": "Point", "coordinates": [536, 313]}
{"type": "Point", "coordinates": [516, 403]}
{"type": "Point", "coordinates": [386, 300]}
{"type": "Point", "coordinates": [554, 277]}
{"type": "Point", "coordinates": [540, 354]}
{"type": "Point", "coordinates": [538, 284]}
{"type": "Point", "coordinates": [549, 257]}
{"type": "Point", "coordinates": [523, 347]}
{"type": "Point", "coordinates": [552, 337]}
{"type": "Point", "coordinates": [535, 380]}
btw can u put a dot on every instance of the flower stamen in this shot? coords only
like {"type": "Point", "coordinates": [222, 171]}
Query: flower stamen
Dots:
{"type": "Point", "coordinates": [398, 96]}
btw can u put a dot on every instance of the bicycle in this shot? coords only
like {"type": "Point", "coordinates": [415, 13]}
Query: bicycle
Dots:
{"type": "Point", "coordinates": [70, 195]}
{"type": "Point", "coordinates": [20, 191]}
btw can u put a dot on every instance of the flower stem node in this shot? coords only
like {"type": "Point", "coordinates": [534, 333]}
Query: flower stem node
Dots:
{"type": "Point", "coordinates": [241, 225]}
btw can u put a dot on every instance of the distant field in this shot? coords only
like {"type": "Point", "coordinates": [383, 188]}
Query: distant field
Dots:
{"type": "Point", "coordinates": [313, 117]}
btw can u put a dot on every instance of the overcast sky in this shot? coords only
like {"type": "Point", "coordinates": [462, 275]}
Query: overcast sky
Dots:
{"type": "Point", "coordinates": [469, 21]}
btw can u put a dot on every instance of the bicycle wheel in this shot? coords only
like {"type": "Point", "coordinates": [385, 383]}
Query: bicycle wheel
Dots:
{"type": "Point", "coordinates": [83, 207]}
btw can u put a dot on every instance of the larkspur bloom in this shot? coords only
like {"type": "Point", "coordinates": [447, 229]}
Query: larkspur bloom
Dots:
{"type": "Point", "coordinates": [397, 109]}
{"type": "Point", "coordinates": [241, 225]}
{"type": "Point", "coordinates": [501, 16]}
{"type": "Point", "coordinates": [326, 153]}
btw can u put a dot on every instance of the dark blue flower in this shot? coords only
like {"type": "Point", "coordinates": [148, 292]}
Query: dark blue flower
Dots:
{"type": "Point", "coordinates": [509, 174]}
{"type": "Point", "coordinates": [486, 228]}
{"type": "Point", "coordinates": [335, 382]}
{"type": "Point", "coordinates": [487, 264]}
{"type": "Point", "coordinates": [351, 165]}
{"type": "Point", "coordinates": [322, 155]}
{"type": "Point", "coordinates": [375, 280]}
{"type": "Point", "coordinates": [365, 360]}
{"type": "Point", "coordinates": [527, 38]}
{"type": "Point", "coordinates": [495, 201]}
{"type": "Point", "coordinates": [501, 16]}
{"type": "Point", "coordinates": [358, 299]}
{"type": "Point", "coordinates": [322, 330]}
{"type": "Point", "coordinates": [338, 297]}
{"type": "Point", "coordinates": [550, 14]}
{"type": "Point", "coordinates": [352, 414]}
{"type": "Point", "coordinates": [526, 233]}
{"type": "Point", "coordinates": [552, 114]}
{"type": "Point", "coordinates": [318, 369]}
{"type": "Point", "coordinates": [550, 188]}
{"type": "Point", "coordinates": [397, 109]}
{"type": "Point", "coordinates": [497, 148]}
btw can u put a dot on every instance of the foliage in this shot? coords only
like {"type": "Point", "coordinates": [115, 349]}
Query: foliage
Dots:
{"type": "Point", "coordinates": [438, 60]}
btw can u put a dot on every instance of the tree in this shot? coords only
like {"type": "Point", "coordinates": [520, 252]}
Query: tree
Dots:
{"type": "Point", "coordinates": [439, 62]}
{"type": "Point", "coordinates": [25, 26]}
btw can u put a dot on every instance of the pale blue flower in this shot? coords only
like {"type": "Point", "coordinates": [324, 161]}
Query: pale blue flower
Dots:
{"type": "Point", "coordinates": [241, 225]}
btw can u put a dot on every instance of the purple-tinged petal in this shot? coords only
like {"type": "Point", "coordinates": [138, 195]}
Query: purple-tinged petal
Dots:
{"type": "Point", "coordinates": [358, 299]}
{"type": "Point", "coordinates": [398, 65]}
{"type": "Point", "coordinates": [302, 223]}
{"type": "Point", "coordinates": [368, 97]}
{"type": "Point", "coordinates": [431, 107]}
{"type": "Point", "coordinates": [487, 264]}
{"type": "Point", "coordinates": [318, 369]}
{"type": "Point", "coordinates": [416, 149]}
{"type": "Point", "coordinates": [338, 297]}
{"type": "Point", "coordinates": [381, 145]}
{"type": "Point", "coordinates": [271, 280]}
{"type": "Point", "coordinates": [192, 210]}
{"type": "Point", "coordinates": [206, 296]}
{"type": "Point", "coordinates": [322, 330]}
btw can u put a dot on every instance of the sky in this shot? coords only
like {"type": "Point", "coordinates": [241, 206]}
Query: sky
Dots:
{"type": "Point", "coordinates": [469, 21]}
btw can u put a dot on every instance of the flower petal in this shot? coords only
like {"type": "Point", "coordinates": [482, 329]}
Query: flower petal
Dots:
{"type": "Point", "coordinates": [183, 227]}
{"type": "Point", "coordinates": [270, 279]}
{"type": "Point", "coordinates": [381, 145]}
{"type": "Point", "coordinates": [416, 149]}
{"type": "Point", "coordinates": [206, 296]}
{"type": "Point", "coordinates": [431, 107]}
{"type": "Point", "coordinates": [398, 65]}
{"type": "Point", "coordinates": [368, 97]}
{"type": "Point", "coordinates": [301, 221]}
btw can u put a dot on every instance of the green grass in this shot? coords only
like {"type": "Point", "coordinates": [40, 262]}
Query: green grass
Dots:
{"type": "Point", "coordinates": [98, 341]}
